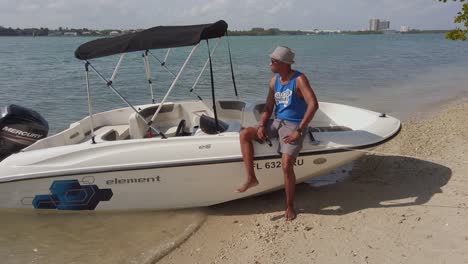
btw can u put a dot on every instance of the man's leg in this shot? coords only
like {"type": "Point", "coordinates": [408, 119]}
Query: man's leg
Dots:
{"type": "Point", "coordinates": [289, 184]}
{"type": "Point", "coordinates": [247, 135]}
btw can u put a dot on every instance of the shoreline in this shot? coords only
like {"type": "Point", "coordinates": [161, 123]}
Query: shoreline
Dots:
{"type": "Point", "coordinates": [254, 32]}
{"type": "Point", "coordinates": [432, 109]}
{"type": "Point", "coordinates": [408, 207]}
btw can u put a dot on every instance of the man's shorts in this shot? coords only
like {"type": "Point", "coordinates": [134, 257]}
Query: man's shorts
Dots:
{"type": "Point", "coordinates": [277, 128]}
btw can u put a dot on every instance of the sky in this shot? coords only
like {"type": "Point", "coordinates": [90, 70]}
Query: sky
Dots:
{"type": "Point", "coordinates": [240, 14]}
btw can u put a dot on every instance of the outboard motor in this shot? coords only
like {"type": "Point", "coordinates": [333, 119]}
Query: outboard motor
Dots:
{"type": "Point", "coordinates": [19, 128]}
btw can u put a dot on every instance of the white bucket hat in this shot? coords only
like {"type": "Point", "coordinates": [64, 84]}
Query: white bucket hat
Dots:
{"type": "Point", "coordinates": [283, 54]}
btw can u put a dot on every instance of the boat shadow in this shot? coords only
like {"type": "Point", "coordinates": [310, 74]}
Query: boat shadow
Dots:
{"type": "Point", "coordinates": [375, 182]}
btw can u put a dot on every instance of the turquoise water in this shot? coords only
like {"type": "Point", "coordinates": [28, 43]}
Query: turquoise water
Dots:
{"type": "Point", "coordinates": [393, 73]}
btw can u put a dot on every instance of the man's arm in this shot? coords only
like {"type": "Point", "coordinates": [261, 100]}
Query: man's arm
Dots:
{"type": "Point", "coordinates": [269, 105]}
{"type": "Point", "coordinates": [302, 83]}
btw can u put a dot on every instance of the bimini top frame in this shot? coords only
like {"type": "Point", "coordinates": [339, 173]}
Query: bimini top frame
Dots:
{"type": "Point", "coordinates": [160, 37]}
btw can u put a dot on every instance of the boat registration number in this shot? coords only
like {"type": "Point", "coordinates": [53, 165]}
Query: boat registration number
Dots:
{"type": "Point", "coordinates": [274, 164]}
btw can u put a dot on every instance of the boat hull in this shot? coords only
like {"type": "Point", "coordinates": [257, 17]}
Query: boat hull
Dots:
{"type": "Point", "coordinates": [120, 171]}
{"type": "Point", "coordinates": [190, 185]}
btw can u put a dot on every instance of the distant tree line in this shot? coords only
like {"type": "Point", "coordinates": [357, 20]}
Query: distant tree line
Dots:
{"type": "Point", "coordinates": [23, 32]}
{"type": "Point", "coordinates": [259, 31]}
{"type": "Point", "coordinates": [4, 31]}
{"type": "Point", "coordinates": [363, 32]}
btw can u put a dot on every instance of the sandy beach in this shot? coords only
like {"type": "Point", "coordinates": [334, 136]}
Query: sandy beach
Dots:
{"type": "Point", "coordinates": [409, 205]}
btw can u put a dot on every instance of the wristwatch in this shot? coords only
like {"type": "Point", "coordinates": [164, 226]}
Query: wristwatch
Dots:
{"type": "Point", "coordinates": [300, 130]}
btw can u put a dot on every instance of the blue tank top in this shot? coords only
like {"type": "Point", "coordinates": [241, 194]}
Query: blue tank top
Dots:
{"type": "Point", "coordinates": [288, 105]}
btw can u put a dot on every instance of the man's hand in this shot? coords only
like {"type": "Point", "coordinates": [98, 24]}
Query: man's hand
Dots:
{"type": "Point", "coordinates": [291, 138]}
{"type": "Point", "coordinates": [261, 133]}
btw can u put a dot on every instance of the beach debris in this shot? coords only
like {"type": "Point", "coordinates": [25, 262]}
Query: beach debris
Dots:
{"type": "Point", "coordinates": [35, 250]}
{"type": "Point", "coordinates": [403, 219]}
{"type": "Point", "coordinates": [308, 228]}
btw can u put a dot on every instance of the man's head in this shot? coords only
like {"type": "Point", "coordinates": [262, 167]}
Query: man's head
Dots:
{"type": "Point", "coordinates": [281, 59]}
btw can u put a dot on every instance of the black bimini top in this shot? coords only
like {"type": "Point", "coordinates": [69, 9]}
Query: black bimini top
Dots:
{"type": "Point", "coordinates": [160, 37]}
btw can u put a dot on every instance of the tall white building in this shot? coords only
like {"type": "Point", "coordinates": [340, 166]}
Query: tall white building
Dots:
{"type": "Point", "coordinates": [374, 24]}
{"type": "Point", "coordinates": [378, 25]}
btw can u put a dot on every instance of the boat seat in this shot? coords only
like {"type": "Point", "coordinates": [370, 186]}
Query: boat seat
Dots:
{"type": "Point", "coordinates": [169, 131]}
{"type": "Point", "coordinates": [137, 127]}
{"type": "Point", "coordinates": [111, 133]}
{"type": "Point", "coordinates": [121, 132]}
{"type": "Point", "coordinates": [208, 126]}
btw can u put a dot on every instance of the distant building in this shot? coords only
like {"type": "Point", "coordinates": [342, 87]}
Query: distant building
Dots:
{"type": "Point", "coordinates": [331, 31]}
{"type": "Point", "coordinates": [374, 24]}
{"type": "Point", "coordinates": [114, 33]}
{"type": "Point", "coordinates": [73, 34]}
{"type": "Point", "coordinates": [129, 31]}
{"type": "Point", "coordinates": [322, 31]}
{"type": "Point", "coordinates": [378, 25]}
{"type": "Point", "coordinates": [404, 29]}
{"type": "Point", "coordinates": [390, 31]}
{"type": "Point", "coordinates": [55, 33]}
{"type": "Point", "coordinates": [384, 25]}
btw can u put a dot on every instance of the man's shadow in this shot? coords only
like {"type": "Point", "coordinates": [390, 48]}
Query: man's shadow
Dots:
{"type": "Point", "coordinates": [375, 182]}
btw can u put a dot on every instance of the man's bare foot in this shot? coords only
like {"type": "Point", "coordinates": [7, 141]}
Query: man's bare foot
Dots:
{"type": "Point", "coordinates": [290, 214]}
{"type": "Point", "coordinates": [247, 185]}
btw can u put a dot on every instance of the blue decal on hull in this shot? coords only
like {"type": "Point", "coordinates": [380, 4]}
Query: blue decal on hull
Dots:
{"type": "Point", "coordinates": [71, 195]}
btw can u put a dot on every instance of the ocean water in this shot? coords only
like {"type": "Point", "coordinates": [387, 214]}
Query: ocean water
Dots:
{"type": "Point", "coordinates": [397, 74]}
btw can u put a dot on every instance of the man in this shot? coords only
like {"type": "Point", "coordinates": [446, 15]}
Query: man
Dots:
{"type": "Point", "coordinates": [295, 104]}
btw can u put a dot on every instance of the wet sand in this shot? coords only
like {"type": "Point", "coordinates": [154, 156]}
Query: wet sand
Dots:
{"type": "Point", "coordinates": [29, 236]}
{"type": "Point", "coordinates": [409, 205]}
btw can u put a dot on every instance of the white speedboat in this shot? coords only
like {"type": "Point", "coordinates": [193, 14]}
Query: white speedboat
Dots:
{"type": "Point", "coordinates": [167, 154]}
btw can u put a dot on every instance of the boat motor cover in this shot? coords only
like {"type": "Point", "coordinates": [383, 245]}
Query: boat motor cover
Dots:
{"type": "Point", "coordinates": [208, 125]}
{"type": "Point", "coordinates": [19, 128]}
